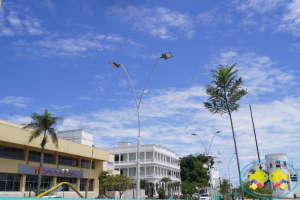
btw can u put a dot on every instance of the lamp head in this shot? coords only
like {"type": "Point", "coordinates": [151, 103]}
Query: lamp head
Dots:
{"type": "Point", "coordinates": [166, 56]}
{"type": "Point", "coordinates": [219, 153]}
{"type": "Point", "coordinates": [67, 170]}
{"type": "Point", "coordinates": [218, 131]}
{"type": "Point", "coordinates": [114, 64]}
{"type": "Point", "coordinates": [193, 133]}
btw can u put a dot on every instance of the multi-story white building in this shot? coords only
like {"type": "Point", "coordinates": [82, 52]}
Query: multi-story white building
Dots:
{"type": "Point", "coordinates": [156, 162]}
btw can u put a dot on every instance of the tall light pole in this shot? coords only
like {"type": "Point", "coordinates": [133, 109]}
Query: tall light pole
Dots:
{"type": "Point", "coordinates": [209, 163]}
{"type": "Point", "coordinates": [88, 181]}
{"type": "Point", "coordinates": [138, 172]}
{"type": "Point", "coordinates": [64, 171]}
{"type": "Point", "coordinates": [228, 165]}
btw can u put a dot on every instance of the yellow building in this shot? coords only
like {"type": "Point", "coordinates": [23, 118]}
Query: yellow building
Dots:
{"type": "Point", "coordinates": [19, 162]}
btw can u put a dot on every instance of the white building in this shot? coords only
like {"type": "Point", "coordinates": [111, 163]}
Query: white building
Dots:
{"type": "Point", "coordinates": [270, 168]}
{"type": "Point", "coordinates": [156, 162]}
{"type": "Point", "coordinates": [80, 136]}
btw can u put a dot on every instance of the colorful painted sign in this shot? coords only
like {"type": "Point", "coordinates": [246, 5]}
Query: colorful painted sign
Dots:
{"type": "Point", "coordinates": [275, 178]}
{"type": "Point", "coordinates": [47, 171]}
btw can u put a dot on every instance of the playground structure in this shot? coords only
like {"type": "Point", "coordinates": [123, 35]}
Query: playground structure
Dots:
{"type": "Point", "coordinates": [57, 186]}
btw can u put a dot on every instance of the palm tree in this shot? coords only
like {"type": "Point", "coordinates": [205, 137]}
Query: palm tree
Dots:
{"type": "Point", "coordinates": [40, 126]}
{"type": "Point", "coordinates": [224, 97]}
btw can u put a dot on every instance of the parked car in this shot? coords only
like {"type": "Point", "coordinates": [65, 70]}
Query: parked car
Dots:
{"type": "Point", "coordinates": [204, 197]}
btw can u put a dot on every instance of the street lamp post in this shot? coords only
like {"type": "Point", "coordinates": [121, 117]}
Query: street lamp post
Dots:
{"type": "Point", "coordinates": [209, 163]}
{"type": "Point", "coordinates": [64, 171]}
{"type": "Point", "coordinates": [228, 165]}
{"type": "Point", "coordinates": [138, 172]}
{"type": "Point", "coordinates": [88, 181]}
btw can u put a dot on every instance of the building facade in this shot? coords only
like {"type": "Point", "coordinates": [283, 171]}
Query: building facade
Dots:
{"type": "Point", "coordinates": [156, 162]}
{"type": "Point", "coordinates": [19, 164]}
{"type": "Point", "coordinates": [271, 168]}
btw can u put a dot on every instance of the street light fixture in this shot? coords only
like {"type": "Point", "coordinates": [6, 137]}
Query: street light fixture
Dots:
{"type": "Point", "coordinates": [138, 171]}
{"type": "Point", "coordinates": [228, 165]}
{"type": "Point", "coordinates": [208, 164]}
{"type": "Point", "coordinates": [64, 171]}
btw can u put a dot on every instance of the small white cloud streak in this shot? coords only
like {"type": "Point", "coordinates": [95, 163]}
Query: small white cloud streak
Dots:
{"type": "Point", "coordinates": [291, 19]}
{"type": "Point", "coordinates": [16, 101]}
{"type": "Point", "coordinates": [159, 22]}
{"type": "Point", "coordinates": [11, 24]}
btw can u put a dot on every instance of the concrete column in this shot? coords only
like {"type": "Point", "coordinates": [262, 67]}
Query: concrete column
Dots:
{"type": "Point", "coordinates": [119, 158]}
{"type": "Point", "coordinates": [127, 157]}
{"type": "Point", "coordinates": [154, 171]}
{"type": "Point", "coordinates": [22, 184]}
{"type": "Point", "coordinates": [145, 171]}
{"type": "Point", "coordinates": [153, 156]}
{"type": "Point", "coordinates": [127, 171]}
{"type": "Point", "coordinates": [144, 156]}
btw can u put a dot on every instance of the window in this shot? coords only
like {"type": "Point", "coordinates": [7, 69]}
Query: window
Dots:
{"type": "Point", "coordinates": [110, 166]}
{"type": "Point", "coordinates": [32, 180]}
{"type": "Point", "coordinates": [63, 160]}
{"type": "Point", "coordinates": [83, 183]}
{"type": "Point", "coordinates": [10, 182]}
{"type": "Point", "coordinates": [72, 181]}
{"type": "Point", "coordinates": [11, 152]}
{"type": "Point", "coordinates": [36, 156]}
{"type": "Point", "coordinates": [87, 163]}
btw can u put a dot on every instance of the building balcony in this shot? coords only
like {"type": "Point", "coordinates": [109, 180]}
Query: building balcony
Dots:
{"type": "Point", "coordinates": [158, 177]}
{"type": "Point", "coordinates": [147, 161]}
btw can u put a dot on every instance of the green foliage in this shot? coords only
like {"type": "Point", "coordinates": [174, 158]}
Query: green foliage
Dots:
{"type": "Point", "coordinates": [224, 187]}
{"type": "Point", "coordinates": [143, 183]}
{"type": "Point", "coordinates": [103, 180]}
{"type": "Point", "coordinates": [227, 91]}
{"type": "Point", "coordinates": [161, 193]}
{"type": "Point", "coordinates": [264, 190]}
{"type": "Point", "coordinates": [192, 169]}
{"type": "Point", "coordinates": [188, 188]}
{"type": "Point", "coordinates": [122, 183]}
{"type": "Point", "coordinates": [40, 126]}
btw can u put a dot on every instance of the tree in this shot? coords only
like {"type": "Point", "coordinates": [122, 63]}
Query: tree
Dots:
{"type": "Point", "coordinates": [102, 177]}
{"type": "Point", "coordinates": [144, 183]}
{"type": "Point", "coordinates": [161, 193]}
{"type": "Point", "coordinates": [166, 181]}
{"type": "Point", "coordinates": [267, 192]}
{"type": "Point", "coordinates": [224, 187]}
{"type": "Point", "coordinates": [188, 188]}
{"type": "Point", "coordinates": [40, 126]}
{"type": "Point", "coordinates": [225, 95]}
{"type": "Point", "coordinates": [122, 183]}
{"type": "Point", "coordinates": [192, 169]}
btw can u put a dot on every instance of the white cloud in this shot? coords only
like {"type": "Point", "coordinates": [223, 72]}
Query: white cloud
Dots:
{"type": "Point", "coordinates": [260, 6]}
{"type": "Point", "coordinates": [291, 19]}
{"type": "Point", "coordinates": [11, 24]}
{"type": "Point", "coordinates": [85, 98]}
{"type": "Point", "coordinates": [80, 46]}
{"type": "Point", "coordinates": [159, 22]}
{"type": "Point", "coordinates": [16, 101]}
{"type": "Point", "coordinates": [259, 73]}
{"type": "Point", "coordinates": [59, 107]}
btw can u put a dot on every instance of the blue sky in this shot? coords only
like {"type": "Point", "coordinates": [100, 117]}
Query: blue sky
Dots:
{"type": "Point", "coordinates": [54, 55]}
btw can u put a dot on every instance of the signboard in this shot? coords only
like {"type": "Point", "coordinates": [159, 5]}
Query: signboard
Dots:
{"type": "Point", "coordinates": [47, 171]}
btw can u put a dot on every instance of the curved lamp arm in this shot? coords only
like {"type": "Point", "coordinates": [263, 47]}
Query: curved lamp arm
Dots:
{"type": "Point", "coordinates": [212, 140]}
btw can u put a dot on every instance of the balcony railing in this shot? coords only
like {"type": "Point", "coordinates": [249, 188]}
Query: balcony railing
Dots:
{"type": "Point", "coordinates": [147, 161]}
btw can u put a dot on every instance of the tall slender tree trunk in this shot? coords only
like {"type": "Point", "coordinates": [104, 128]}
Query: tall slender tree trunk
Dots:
{"type": "Point", "coordinates": [38, 190]}
{"type": "Point", "coordinates": [237, 156]}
